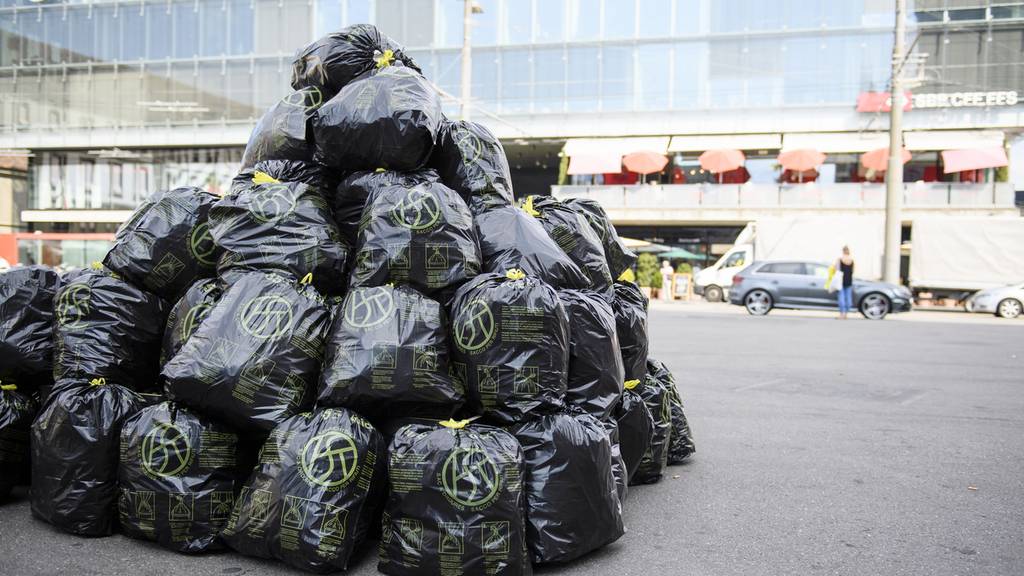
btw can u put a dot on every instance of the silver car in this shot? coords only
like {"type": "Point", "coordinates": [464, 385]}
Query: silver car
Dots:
{"type": "Point", "coordinates": [1005, 301]}
{"type": "Point", "coordinates": [802, 285]}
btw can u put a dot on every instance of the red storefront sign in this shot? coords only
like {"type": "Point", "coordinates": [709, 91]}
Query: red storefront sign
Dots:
{"type": "Point", "coordinates": [880, 101]}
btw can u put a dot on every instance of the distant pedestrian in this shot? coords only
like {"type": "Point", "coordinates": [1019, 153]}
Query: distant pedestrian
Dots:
{"type": "Point", "coordinates": [844, 265]}
{"type": "Point", "coordinates": [666, 280]}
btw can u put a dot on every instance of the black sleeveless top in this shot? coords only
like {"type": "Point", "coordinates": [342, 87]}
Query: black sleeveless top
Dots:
{"type": "Point", "coordinates": [847, 270]}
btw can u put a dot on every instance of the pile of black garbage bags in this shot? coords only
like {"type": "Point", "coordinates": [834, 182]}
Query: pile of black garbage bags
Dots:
{"type": "Point", "coordinates": [366, 338]}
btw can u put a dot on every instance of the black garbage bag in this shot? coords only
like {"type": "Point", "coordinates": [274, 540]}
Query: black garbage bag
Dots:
{"type": "Point", "coordinates": [187, 314]}
{"type": "Point", "coordinates": [657, 396]}
{"type": "Point", "coordinates": [471, 161]}
{"type": "Point", "coordinates": [630, 306]}
{"type": "Point", "coordinates": [254, 360]}
{"type": "Point", "coordinates": [418, 232]}
{"type": "Point", "coordinates": [572, 505]}
{"type": "Point", "coordinates": [166, 245]}
{"type": "Point", "coordinates": [17, 410]}
{"type": "Point", "coordinates": [276, 171]}
{"type": "Point", "coordinates": [387, 356]}
{"type": "Point", "coordinates": [574, 236]}
{"type": "Point", "coordinates": [315, 493]}
{"type": "Point", "coordinates": [620, 258]}
{"type": "Point", "coordinates": [511, 345]}
{"type": "Point", "coordinates": [636, 427]}
{"type": "Point", "coordinates": [595, 363]}
{"type": "Point", "coordinates": [333, 61]}
{"type": "Point", "coordinates": [280, 227]}
{"type": "Point", "coordinates": [619, 472]}
{"type": "Point", "coordinates": [456, 503]}
{"type": "Point", "coordinates": [349, 199]}
{"type": "Point", "coordinates": [75, 442]}
{"type": "Point", "coordinates": [177, 478]}
{"type": "Point", "coordinates": [26, 324]}
{"type": "Point", "coordinates": [680, 445]}
{"type": "Point", "coordinates": [511, 238]}
{"type": "Point", "coordinates": [386, 119]}
{"type": "Point", "coordinates": [107, 328]}
{"type": "Point", "coordinates": [284, 131]}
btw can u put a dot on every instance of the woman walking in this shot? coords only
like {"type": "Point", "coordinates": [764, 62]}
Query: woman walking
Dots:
{"type": "Point", "coordinates": [844, 265]}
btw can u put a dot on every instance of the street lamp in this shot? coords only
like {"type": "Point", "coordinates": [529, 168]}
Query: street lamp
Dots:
{"type": "Point", "coordinates": [469, 7]}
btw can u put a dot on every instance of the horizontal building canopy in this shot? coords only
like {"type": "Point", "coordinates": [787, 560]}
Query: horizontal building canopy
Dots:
{"type": "Point", "coordinates": [725, 141]}
{"type": "Point", "coordinates": [614, 146]}
{"type": "Point", "coordinates": [952, 139]}
{"type": "Point", "coordinates": [831, 142]}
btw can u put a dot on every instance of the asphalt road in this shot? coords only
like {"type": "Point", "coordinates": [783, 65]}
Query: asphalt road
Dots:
{"type": "Point", "coordinates": [824, 447]}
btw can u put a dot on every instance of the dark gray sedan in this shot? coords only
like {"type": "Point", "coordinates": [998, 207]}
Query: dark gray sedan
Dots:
{"type": "Point", "coordinates": [802, 285]}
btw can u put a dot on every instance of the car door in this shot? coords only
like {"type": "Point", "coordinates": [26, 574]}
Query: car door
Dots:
{"type": "Point", "coordinates": [785, 281]}
{"type": "Point", "coordinates": [815, 290]}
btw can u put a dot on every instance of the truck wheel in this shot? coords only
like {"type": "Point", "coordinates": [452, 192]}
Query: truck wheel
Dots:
{"type": "Point", "coordinates": [758, 302]}
{"type": "Point", "coordinates": [713, 294]}
{"type": "Point", "coordinates": [1009, 308]}
{"type": "Point", "coordinates": [875, 306]}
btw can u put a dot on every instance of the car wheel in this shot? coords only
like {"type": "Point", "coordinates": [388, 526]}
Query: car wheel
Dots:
{"type": "Point", "coordinates": [875, 306]}
{"type": "Point", "coordinates": [713, 294]}
{"type": "Point", "coordinates": [758, 302]}
{"type": "Point", "coordinates": [1009, 308]}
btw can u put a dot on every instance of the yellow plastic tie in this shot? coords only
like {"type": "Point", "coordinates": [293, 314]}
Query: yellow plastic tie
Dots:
{"type": "Point", "coordinates": [528, 207]}
{"type": "Point", "coordinates": [98, 382]}
{"type": "Point", "coordinates": [454, 424]}
{"type": "Point", "coordinates": [630, 384]}
{"type": "Point", "coordinates": [96, 265]}
{"type": "Point", "coordinates": [385, 59]}
{"type": "Point", "coordinates": [306, 279]}
{"type": "Point", "coordinates": [379, 170]}
{"type": "Point", "coordinates": [627, 276]}
{"type": "Point", "coordinates": [8, 386]}
{"type": "Point", "coordinates": [515, 274]}
{"type": "Point", "coordinates": [264, 178]}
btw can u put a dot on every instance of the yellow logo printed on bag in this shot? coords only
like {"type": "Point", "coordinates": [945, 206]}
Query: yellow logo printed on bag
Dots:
{"type": "Point", "coordinates": [474, 327]}
{"type": "Point", "coordinates": [266, 317]}
{"type": "Point", "coordinates": [329, 459]}
{"type": "Point", "coordinates": [165, 450]}
{"type": "Point", "coordinates": [470, 478]}
{"type": "Point", "coordinates": [366, 307]}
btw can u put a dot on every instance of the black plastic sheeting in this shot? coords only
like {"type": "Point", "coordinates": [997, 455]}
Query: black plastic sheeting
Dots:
{"type": "Point", "coordinates": [596, 374]}
{"type": "Point", "coordinates": [315, 493]}
{"type": "Point", "coordinates": [350, 197]}
{"type": "Point", "coordinates": [75, 445]}
{"type": "Point", "coordinates": [456, 503]}
{"type": "Point", "coordinates": [630, 306]}
{"type": "Point", "coordinates": [107, 328]}
{"type": "Point", "coordinates": [284, 131]}
{"type": "Point", "coordinates": [619, 471]}
{"type": "Point", "coordinates": [471, 161]}
{"type": "Point", "coordinates": [636, 428]}
{"type": "Point", "coordinates": [680, 446]}
{"type": "Point", "coordinates": [511, 238]}
{"type": "Point", "coordinates": [619, 257]}
{"type": "Point", "coordinates": [166, 244]}
{"type": "Point", "coordinates": [418, 232]}
{"type": "Point", "coordinates": [386, 119]}
{"type": "Point", "coordinates": [187, 314]}
{"type": "Point", "coordinates": [572, 504]}
{"type": "Point", "coordinates": [510, 345]}
{"type": "Point", "coordinates": [657, 396]}
{"type": "Point", "coordinates": [17, 410]}
{"type": "Point", "coordinates": [254, 360]}
{"type": "Point", "coordinates": [280, 227]}
{"type": "Point", "coordinates": [575, 237]}
{"type": "Point", "coordinates": [319, 177]}
{"type": "Point", "coordinates": [26, 324]}
{"type": "Point", "coordinates": [176, 478]}
{"type": "Point", "coordinates": [387, 356]}
{"type": "Point", "coordinates": [333, 61]}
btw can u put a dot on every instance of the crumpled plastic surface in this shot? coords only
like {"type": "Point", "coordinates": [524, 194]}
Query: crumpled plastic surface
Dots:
{"type": "Point", "coordinates": [511, 238]}
{"type": "Point", "coordinates": [315, 493]}
{"type": "Point", "coordinates": [619, 257]}
{"type": "Point", "coordinates": [510, 345]}
{"type": "Point", "coordinates": [187, 314]}
{"type": "Point", "coordinates": [575, 237]}
{"type": "Point", "coordinates": [282, 227]}
{"type": "Point", "coordinates": [350, 197]}
{"type": "Point", "coordinates": [254, 360]}
{"type": "Point", "coordinates": [636, 429]}
{"type": "Point", "coordinates": [75, 445]}
{"type": "Point", "coordinates": [284, 131]}
{"type": "Point", "coordinates": [333, 61]}
{"type": "Point", "coordinates": [572, 505]}
{"type": "Point", "coordinates": [619, 472]}
{"type": "Point", "coordinates": [386, 119]}
{"type": "Point", "coordinates": [471, 161]}
{"type": "Point", "coordinates": [26, 324]}
{"type": "Point", "coordinates": [630, 306]}
{"type": "Point", "coordinates": [176, 477]}
{"type": "Point", "coordinates": [17, 410]}
{"type": "Point", "coordinates": [166, 244]}
{"type": "Point", "coordinates": [657, 396]}
{"type": "Point", "coordinates": [680, 446]}
{"type": "Point", "coordinates": [387, 356]}
{"type": "Point", "coordinates": [107, 328]}
{"type": "Point", "coordinates": [456, 503]}
{"type": "Point", "coordinates": [595, 363]}
{"type": "Point", "coordinates": [298, 171]}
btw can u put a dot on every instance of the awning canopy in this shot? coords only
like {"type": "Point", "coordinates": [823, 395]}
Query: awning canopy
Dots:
{"type": "Point", "coordinates": [599, 164]}
{"type": "Point", "coordinates": [718, 141]}
{"type": "Point", "coordinates": [976, 159]}
{"type": "Point", "coordinates": [832, 142]}
{"type": "Point", "coordinates": [604, 155]}
{"type": "Point", "coordinates": [952, 139]}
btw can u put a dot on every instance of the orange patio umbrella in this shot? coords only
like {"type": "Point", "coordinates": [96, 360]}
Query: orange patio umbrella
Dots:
{"type": "Point", "coordinates": [878, 159]}
{"type": "Point", "coordinates": [644, 162]}
{"type": "Point", "coordinates": [719, 161]}
{"type": "Point", "coordinates": [801, 160]}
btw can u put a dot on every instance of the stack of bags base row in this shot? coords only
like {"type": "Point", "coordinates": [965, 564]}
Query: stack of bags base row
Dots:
{"type": "Point", "coordinates": [365, 336]}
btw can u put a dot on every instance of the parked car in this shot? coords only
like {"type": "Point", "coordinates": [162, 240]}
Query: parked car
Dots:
{"type": "Point", "coordinates": [1005, 301]}
{"type": "Point", "coordinates": [801, 285]}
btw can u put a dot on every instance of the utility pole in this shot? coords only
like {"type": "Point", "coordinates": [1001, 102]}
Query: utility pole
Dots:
{"type": "Point", "coordinates": [894, 175]}
{"type": "Point", "coordinates": [467, 56]}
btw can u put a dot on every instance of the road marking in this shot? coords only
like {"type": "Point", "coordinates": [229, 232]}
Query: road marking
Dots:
{"type": "Point", "coordinates": [759, 384]}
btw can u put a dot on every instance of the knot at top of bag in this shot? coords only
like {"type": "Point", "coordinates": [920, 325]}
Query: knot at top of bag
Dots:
{"type": "Point", "coordinates": [627, 276]}
{"type": "Point", "coordinates": [630, 384]}
{"type": "Point", "coordinates": [8, 387]}
{"type": "Point", "coordinates": [264, 178]}
{"type": "Point", "coordinates": [454, 424]}
{"type": "Point", "coordinates": [306, 279]}
{"type": "Point", "coordinates": [384, 59]}
{"type": "Point", "coordinates": [515, 274]}
{"type": "Point", "coordinates": [529, 209]}
{"type": "Point", "coordinates": [98, 382]}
